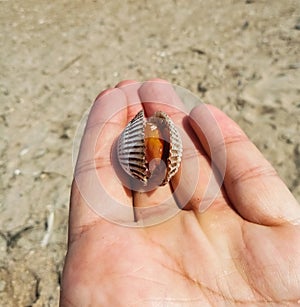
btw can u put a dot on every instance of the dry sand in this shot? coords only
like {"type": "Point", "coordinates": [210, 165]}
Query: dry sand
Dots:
{"type": "Point", "coordinates": [242, 56]}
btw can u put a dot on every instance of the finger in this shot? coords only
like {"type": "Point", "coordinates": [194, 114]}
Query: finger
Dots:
{"type": "Point", "coordinates": [95, 178]}
{"type": "Point", "coordinates": [191, 182]}
{"type": "Point", "coordinates": [149, 206]}
{"type": "Point", "coordinates": [143, 200]}
{"type": "Point", "coordinates": [252, 184]}
{"type": "Point", "coordinates": [157, 94]}
{"type": "Point", "coordinates": [130, 89]}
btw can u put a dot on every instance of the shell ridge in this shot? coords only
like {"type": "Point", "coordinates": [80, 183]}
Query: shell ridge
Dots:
{"type": "Point", "coordinates": [132, 148]}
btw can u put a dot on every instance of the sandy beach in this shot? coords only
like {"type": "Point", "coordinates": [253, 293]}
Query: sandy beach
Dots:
{"type": "Point", "coordinates": [242, 56]}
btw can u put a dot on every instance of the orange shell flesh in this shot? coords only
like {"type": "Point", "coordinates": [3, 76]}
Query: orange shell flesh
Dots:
{"type": "Point", "coordinates": [154, 144]}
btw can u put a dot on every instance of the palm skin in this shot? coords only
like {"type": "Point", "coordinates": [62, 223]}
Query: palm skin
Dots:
{"type": "Point", "coordinates": [243, 250]}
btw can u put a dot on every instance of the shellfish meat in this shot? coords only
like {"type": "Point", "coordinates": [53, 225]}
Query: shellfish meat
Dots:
{"type": "Point", "coordinates": [150, 148]}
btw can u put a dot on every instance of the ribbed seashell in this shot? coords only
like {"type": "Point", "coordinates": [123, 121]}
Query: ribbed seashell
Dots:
{"type": "Point", "coordinates": [155, 139]}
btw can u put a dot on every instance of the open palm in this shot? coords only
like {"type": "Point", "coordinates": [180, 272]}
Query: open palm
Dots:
{"type": "Point", "coordinates": [242, 250]}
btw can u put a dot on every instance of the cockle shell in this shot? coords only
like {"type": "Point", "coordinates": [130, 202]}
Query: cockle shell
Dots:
{"type": "Point", "coordinates": [155, 138]}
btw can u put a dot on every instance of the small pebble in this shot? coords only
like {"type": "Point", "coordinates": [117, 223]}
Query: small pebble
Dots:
{"type": "Point", "coordinates": [287, 137]}
{"type": "Point", "coordinates": [245, 25]}
{"type": "Point", "coordinates": [294, 66]}
{"type": "Point", "coordinates": [17, 172]}
{"type": "Point", "coordinates": [201, 88]}
{"type": "Point", "coordinates": [297, 24]}
{"type": "Point", "coordinates": [24, 151]}
{"type": "Point", "coordinates": [43, 175]}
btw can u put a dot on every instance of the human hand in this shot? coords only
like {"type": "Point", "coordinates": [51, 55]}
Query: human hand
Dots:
{"type": "Point", "coordinates": [243, 250]}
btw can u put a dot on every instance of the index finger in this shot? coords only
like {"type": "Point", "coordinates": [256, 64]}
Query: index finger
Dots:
{"type": "Point", "coordinates": [95, 178]}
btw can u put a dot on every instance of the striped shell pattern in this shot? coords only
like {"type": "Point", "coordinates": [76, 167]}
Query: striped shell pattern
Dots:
{"type": "Point", "coordinates": [131, 148]}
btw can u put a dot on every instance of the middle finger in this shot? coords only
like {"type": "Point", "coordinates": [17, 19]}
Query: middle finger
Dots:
{"type": "Point", "coordinates": [195, 177]}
